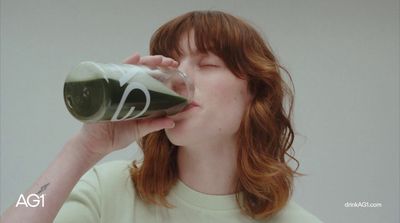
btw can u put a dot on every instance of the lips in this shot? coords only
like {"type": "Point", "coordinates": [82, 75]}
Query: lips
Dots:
{"type": "Point", "coordinates": [190, 106]}
{"type": "Point", "coordinates": [182, 114]}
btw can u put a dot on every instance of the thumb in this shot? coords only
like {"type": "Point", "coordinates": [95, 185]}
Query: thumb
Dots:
{"type": "Point", "coordinates": [146, 126]}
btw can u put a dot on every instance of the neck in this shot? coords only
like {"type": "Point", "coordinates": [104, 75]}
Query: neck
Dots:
{"type": "Point", "coordinates": [209, 168]}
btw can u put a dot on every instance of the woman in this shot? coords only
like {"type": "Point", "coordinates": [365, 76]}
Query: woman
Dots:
{"type": "Point", "coordinates": [224, 159]}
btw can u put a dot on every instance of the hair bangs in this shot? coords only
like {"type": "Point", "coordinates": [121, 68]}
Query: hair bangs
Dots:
{"type": "Point", "coordinates": [212, 33]}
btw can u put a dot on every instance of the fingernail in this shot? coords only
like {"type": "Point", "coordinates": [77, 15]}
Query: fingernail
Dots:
{"type": "Point", "coordinates": [171, 125]}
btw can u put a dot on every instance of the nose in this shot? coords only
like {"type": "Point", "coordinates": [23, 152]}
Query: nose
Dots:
{"type": "Point", "coordinates": [185, 67]}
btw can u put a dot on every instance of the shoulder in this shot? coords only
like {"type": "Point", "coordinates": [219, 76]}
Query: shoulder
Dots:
{"type": "Point", "coordinates": [294, 213]}
{"type": "Point", "coordinates": [102, 192]}
{"type": "Point", "coordinates": [119, 167]}
{"type": "Point", "coordinates": [108, 179]}
{"type": "Point", "coordinates": [112, 172]}
{"type": "Point", "coordinates": [113, 184]}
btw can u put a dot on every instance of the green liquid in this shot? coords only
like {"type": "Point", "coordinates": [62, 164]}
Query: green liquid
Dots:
{"type": "Point", "coordinates": [97, 100]}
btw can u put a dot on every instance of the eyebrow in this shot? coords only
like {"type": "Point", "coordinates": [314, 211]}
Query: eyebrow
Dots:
{"type": "Point", "coordinates": [207, 54]}
{"type": "Point", "coordinates": [196, 53]}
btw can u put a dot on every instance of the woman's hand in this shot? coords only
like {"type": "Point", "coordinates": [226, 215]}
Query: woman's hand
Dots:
{"type": "Point", "coordinates": [84, 150]}
{"type": "Point", "coordinates": [102, 138]}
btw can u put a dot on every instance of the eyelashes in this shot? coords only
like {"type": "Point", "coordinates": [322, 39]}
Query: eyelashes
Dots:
{"type": "Point", "coordinates": [209, 62]}
{"type": "Point", "coordinates": [209, 65]}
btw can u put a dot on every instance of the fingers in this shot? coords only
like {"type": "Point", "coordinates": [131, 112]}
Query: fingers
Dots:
{"type": "Point", "coordinates": [168, 62]}
{"type": "Point", "coordinates": [146, 126]}
{"type": "Point", "coordinates": [152, 61]}
{"type": "Point", "coordinates": [133, 59]}
{"type": "Point", "coordinates": [158, 60]}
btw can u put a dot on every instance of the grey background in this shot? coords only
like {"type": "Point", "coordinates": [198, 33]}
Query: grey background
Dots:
{"type": "Point", "coordinates": [343, 57]}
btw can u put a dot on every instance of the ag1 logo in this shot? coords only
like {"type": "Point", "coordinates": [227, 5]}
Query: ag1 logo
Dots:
{"type": "Point", "coordinates": [33, 200]}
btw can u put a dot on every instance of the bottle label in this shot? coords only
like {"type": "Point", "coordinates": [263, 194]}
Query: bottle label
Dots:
{"type": "Point", "coordinates": [125, 77]}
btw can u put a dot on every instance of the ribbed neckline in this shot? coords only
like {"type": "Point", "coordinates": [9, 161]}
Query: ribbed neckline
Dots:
{"type": "Point", "coordinates": [202, 200]}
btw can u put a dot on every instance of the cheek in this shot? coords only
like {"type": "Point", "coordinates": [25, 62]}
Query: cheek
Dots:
{"type": "Point", "coordinates": [227, 104]}
{"type": "Point", "coordinates": [228, 93]}
{"type": "Point", "coordinates": [223, 107]}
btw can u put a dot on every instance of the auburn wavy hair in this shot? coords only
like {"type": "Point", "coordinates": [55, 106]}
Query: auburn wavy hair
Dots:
{"type": "Point", "coordinates": [265, 136]}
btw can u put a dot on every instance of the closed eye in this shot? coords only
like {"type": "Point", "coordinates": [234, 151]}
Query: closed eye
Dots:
{"type": "Point", "coordinates": [209, 65]}
{"type": "Point", "coordinates": [210, 61]}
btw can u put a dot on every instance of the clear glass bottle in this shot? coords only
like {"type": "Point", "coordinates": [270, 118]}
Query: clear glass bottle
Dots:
{"type": "Point", "coordinates": [95, 92]}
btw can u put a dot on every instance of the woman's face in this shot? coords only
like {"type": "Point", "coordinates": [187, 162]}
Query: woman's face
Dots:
{"type": "Point", "coordinates": [220, 99]}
